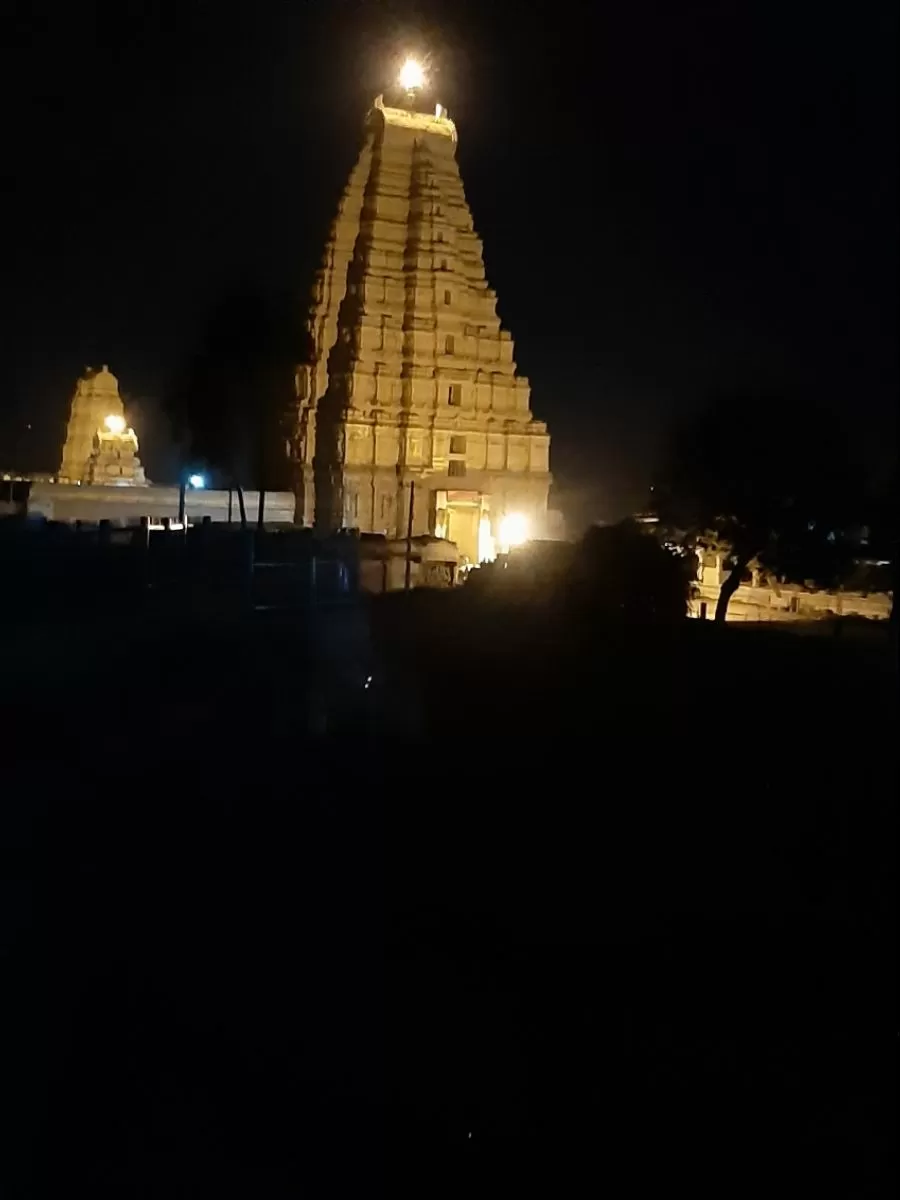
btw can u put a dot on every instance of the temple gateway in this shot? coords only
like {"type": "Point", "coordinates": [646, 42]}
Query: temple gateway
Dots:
{"type": "Point", "coordinates": [410, 399]}
{"type": "Point", "coordinates": [99, 448]}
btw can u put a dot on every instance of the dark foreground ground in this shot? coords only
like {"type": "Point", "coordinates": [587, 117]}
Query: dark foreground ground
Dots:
{"type": "Point", "coordinates": [542, 910]}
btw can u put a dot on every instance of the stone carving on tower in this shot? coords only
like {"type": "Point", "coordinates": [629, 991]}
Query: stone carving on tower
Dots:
{"type": "Point", "coordinates": [410, 378]}
{"type": "Point", "coordinates": [99, 448]}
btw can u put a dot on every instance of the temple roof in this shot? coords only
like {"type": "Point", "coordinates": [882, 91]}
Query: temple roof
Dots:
{"type": "Point", "coordinates": [433, 121]}
{"type": "Point", "coordinates": [102, 376]}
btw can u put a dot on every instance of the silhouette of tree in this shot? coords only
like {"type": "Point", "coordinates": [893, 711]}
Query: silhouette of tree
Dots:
{"type": "Point", "coordinates": [767, 481]}
{"type": "Point", "coordinates": [621, 572]}
{"type": "Point", "coordinates": [882, 541]}
{"type": "Point", "coordinates": [228, 403]}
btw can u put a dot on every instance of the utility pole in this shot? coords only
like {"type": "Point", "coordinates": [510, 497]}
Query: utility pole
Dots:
{"type": "Point", "coordinates": [409, 535]}
{"type": "Point", "coordinates": [261, 468]}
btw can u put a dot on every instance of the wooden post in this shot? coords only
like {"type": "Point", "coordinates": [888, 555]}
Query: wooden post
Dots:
{"type": "Point", "coordinates": [409, 534]}
{"type": "Point", "coordinates": [143, 543]}
{"type": "Point", "coordinates": [248, 564]}
{"type": "Point", "coordinates": [241, 506]}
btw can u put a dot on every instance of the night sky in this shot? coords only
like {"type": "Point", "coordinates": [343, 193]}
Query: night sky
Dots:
{"type": "Point", "coordinates": [675, 199]}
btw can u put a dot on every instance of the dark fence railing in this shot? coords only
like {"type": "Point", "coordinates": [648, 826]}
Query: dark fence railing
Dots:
{"type": "Point", "coordinates": [48, 567]}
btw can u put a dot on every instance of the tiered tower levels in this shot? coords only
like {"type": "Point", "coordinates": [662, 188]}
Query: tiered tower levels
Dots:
{"type": "Point", "coordinates": [411, 375]}
{"type": "Point", "coordinates": [96, 398]}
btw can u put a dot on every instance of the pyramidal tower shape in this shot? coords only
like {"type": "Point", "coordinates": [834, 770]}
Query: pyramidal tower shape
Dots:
{"type": "Point", "coordinates": [410, 399]}
{"type": "Point", "coordinates": [96, 398]}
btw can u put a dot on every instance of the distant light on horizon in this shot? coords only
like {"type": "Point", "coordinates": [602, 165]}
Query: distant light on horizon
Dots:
{"type": "Point", "coordinates": [197, 481]}
{"type": "Point", "coordinates": [411, 76]}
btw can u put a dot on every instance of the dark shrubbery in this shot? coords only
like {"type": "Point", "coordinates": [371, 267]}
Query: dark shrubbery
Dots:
{"type": "Point", "coordinates": [620, 572]}
{"type": "Point", "coordinates": [616, 573]}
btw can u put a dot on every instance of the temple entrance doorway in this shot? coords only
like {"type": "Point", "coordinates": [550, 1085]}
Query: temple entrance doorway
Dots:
{"type": "Point", "coordinates": [462, 528]}
{"type": "Point", "coordinates": [460, 517]}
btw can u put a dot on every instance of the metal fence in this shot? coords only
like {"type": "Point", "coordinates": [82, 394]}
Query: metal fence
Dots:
{"type": "Point", "coordinates": [49, 567]}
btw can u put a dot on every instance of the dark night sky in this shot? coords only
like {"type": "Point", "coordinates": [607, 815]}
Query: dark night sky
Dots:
{"type": "Point", "coordinates": [674, 199]}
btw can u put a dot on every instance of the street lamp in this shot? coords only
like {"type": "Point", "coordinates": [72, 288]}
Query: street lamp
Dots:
{"type": "Point", "coordinates": [193, 480]}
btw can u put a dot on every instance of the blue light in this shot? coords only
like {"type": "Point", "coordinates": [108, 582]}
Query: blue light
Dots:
{"type": "Point", "coordinates": [196, 481]}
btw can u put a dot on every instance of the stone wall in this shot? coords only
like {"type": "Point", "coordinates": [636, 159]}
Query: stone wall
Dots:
{"type": "Point", "coordinates": [434, 562]}
{"type": "Point", "coordinates": [762, 601]}
{"type": "Point", "coordinates": [127, 505]}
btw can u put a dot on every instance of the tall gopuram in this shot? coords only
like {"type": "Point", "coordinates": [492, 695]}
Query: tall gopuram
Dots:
{"type": "Point", "coordinates": [411, 388]}
{"type": "Point", "coordinates": [98, 446]}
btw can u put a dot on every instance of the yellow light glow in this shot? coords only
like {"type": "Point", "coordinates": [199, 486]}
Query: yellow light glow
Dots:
{"type": "Point", "coordinates": [514, 531]}
{"type": "Point", "coordinates": [114, 423]}
{"type": "Point", "coordinates": [411, 75]}
{"type": "Point", "coordinates": [486, 550]}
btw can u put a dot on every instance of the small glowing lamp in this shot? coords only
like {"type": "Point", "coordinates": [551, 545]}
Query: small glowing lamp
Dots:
{"type": "Point", "coordinates": [114, 423]}
{"type": "Point", "coordinates": [411, 75]}
{"type": "Point", "coordinates": [197, 481]}
{"type": "Point", "coordinates": [514, 530]}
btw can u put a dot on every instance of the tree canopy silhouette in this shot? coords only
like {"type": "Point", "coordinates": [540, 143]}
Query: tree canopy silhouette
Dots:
{"type": "Point", "coordinates": [229, 402]}
{"type": "Point", "coordinates": [619, 572]}
{"type": "Point", "coordinates": [769, 482]}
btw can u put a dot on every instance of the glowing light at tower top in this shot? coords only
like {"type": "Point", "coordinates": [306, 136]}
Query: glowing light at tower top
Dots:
{"type": "Point", "coordinates": [412, 75]}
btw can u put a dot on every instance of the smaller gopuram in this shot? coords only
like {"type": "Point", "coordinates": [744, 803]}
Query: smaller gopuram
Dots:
{"type": "Point", "coordinates": [99, 448]}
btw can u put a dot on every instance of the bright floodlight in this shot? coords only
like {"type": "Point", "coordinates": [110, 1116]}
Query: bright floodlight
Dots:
{"type": "Point", "coordinates": [411, 75]}
{"type": "Point", "coordinates": [114, 423]}
{"type": "Point", "coordinates": [197, 481]}
{"type": "Point", "coordinates": [514, 530]}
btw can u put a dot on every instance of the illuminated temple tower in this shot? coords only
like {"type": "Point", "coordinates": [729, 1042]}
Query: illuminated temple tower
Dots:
{"type": "Point", "coordinates": [99, 448]}
{"type": "Point", "coordinates": [411, 379]}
